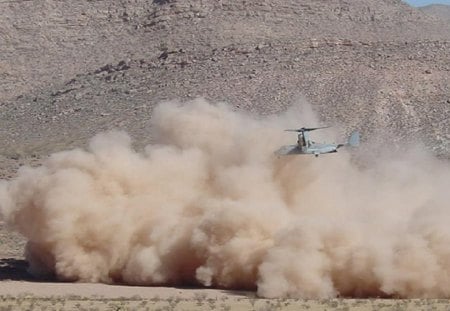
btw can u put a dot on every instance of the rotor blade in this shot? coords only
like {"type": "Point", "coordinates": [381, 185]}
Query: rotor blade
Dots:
{"type": "Point", "coordinates": [294, 130]}
{"type": "Point", "coordinates": [307, 129]}
{"type": "Point", "coordinates": [315, 128]}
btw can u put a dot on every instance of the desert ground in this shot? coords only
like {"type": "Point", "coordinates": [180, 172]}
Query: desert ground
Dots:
{"type": "Point", "coordinates": [23, 293]}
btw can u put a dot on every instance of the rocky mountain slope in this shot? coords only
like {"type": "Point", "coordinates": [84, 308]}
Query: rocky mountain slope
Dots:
{"type": "Point", "coordinates": [441, 11]}
{"type": "Point", "coordinates": [70, 69]}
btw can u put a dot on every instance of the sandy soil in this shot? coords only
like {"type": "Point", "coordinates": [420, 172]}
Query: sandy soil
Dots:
{"type": "Point", "coordinates": [20, 291]}
{"type": "Point", "coordinates": [49, 289]}
{"type": "Point", "coordinates": [18, 295]}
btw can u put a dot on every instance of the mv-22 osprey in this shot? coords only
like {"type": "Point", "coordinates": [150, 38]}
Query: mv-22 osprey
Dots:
{"type": "Point", "coordinates": [306, 146]}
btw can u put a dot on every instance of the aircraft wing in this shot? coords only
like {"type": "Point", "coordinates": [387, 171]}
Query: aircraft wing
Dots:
{"type": "Point", "coordinates": [287, 150]}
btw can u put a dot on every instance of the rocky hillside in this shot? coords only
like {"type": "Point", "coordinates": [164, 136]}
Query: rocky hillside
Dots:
{"type": "Point", "coordinates": [441, 11]}
{"type": "Point", "coordinates": [72, 68]}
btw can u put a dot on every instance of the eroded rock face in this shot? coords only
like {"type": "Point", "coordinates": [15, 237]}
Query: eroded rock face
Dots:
{"type": "Point", "coordinates": [51, 41]}
{"type": "Point", "coordinates": [72, 68]}
{"type": "Point", "coordinates": [440, 11]}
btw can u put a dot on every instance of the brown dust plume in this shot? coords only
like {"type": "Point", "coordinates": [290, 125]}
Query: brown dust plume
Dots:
{"type": "Point", "coordinates": [209, 204]}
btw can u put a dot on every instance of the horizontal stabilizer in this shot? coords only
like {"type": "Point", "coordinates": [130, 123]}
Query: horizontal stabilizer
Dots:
{"type": "Point", "coordinates": [353, 141]}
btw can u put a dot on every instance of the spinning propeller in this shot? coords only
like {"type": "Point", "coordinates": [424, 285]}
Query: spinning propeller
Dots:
{"type": "Point", "coordinates": [306, 129]}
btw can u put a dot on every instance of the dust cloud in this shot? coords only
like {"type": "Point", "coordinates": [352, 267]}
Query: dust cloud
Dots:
{"type": "Point", "coordinates": [208, 204]}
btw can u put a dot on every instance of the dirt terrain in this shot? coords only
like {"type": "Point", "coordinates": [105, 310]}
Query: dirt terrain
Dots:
{"type": "Point", "coordinates": [92, 66]}
{"type": "Point", "coordinates": [71, 69]}
{"type": "Point", "coordinates": [438, 10]}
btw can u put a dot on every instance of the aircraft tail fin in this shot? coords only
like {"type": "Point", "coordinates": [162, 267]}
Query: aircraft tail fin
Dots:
{"type": "Point", "coordinates": [353, 140]}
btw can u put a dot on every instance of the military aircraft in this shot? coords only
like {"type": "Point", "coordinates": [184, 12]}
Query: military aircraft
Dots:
{"type": "Point", "coordinates": [306, 146]}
